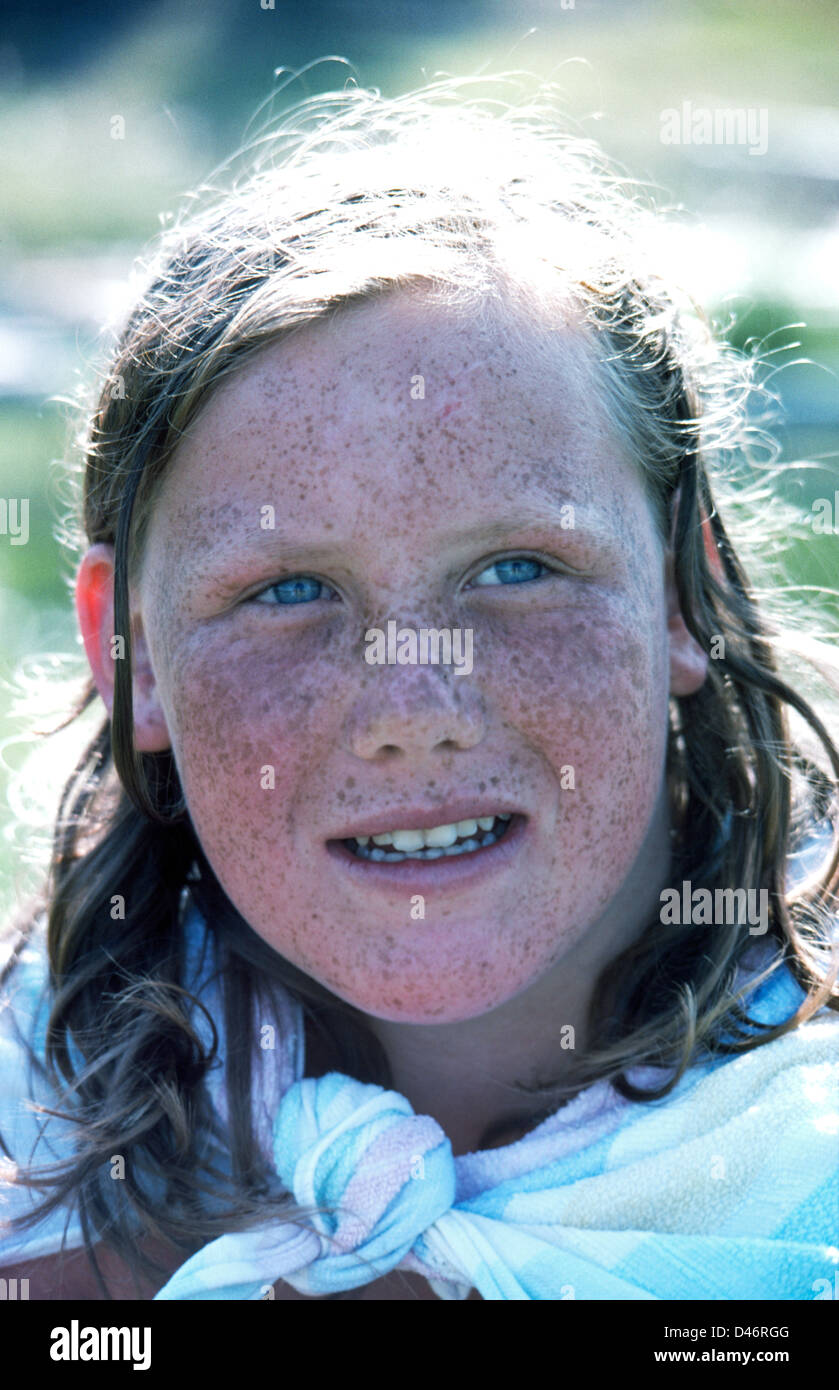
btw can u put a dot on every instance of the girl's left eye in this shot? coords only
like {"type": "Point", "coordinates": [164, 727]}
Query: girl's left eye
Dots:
{"type": "Point", "coordinates": [301, 588]}
{"type": "Point", "coordinates": [514, 571]}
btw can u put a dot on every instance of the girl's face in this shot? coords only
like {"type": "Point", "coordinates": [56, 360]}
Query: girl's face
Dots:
{"type": "Point", "coordinates": [406, 499]}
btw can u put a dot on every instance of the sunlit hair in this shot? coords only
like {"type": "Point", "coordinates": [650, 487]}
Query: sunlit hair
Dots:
{"type": "Point", "coordinates": [493, 206]}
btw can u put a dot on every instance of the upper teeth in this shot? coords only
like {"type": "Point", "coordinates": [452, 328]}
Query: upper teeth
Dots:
{"type": "Point", "coordinates": [438, 837]}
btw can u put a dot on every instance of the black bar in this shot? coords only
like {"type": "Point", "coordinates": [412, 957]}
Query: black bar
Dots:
{"type": "Point", "coordinates": [255, 1339]}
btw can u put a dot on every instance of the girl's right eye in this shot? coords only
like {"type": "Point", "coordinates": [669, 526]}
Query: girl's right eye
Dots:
{"type": "Point", "coordinates": [301, 588]}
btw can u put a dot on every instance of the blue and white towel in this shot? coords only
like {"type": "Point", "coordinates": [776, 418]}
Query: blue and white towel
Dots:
{"type": "Point", "coordinates": [726, 1189]}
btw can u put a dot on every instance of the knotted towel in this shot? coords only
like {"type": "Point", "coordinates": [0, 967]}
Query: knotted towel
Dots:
{"type": "Point", "coordinates": [726, 1189]}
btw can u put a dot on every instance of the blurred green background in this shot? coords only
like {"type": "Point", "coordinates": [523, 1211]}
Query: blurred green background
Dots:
{"type": "Point", "coordinates": [761, 242]}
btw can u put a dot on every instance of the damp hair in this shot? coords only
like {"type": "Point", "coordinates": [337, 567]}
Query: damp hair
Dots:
{"type": "Point", "coordinates": [483, 200]}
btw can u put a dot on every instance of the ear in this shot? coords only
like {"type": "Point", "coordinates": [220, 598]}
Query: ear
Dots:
{"type": "Point", "coordinates": [688, 661]}
{"type": "Point", "coordinates": [95, 611]}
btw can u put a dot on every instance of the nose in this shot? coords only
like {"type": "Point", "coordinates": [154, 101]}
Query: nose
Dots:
{"type": "Point", "coordinates": [414, 710]}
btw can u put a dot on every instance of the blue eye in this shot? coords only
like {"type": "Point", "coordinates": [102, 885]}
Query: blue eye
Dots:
{"type": "Point", "coordinates": [300, 589]}
{"type": "Point", "coordinates": [512, 572]}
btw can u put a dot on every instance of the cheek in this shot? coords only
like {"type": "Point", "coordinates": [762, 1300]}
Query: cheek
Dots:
{"type": "Point", "coordinates": [249, 719]}
{"type": "Point", "coordinates": [582, 680]}
{"type": "Point", "coordinates": [588, 689]}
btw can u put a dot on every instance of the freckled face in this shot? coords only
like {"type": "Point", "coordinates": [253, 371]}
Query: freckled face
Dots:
{"type": "Point", "coordinates": [393, 505]}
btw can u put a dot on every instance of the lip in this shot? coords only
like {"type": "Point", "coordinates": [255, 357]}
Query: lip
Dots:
{"type": "Point", "coordinates": [423, 818]}
{"type": "Point", "coordinates": [447, 874]}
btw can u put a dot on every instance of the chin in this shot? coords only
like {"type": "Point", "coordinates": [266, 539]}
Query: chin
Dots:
{"type": "Point", "coordinates": [426, 1006]}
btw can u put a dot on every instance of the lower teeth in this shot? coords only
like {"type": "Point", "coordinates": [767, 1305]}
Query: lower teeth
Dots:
{"type": "Point", "coordinates": [381, 855]}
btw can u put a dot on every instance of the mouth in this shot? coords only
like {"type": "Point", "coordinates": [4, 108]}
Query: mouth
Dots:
{"type": "Point", "coordinates": [438, 842]}
{"type": "Point", "coordinates": [442, 856]}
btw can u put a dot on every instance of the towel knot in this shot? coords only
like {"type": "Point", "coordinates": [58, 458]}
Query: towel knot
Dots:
{"type": "Point", "coordinates": [379, 1174]}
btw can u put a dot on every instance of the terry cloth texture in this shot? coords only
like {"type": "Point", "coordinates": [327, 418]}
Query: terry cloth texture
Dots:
{"type": "Point", "coordinates": [726, 1189]}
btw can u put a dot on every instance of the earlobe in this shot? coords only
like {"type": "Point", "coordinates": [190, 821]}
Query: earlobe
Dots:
{"type": "Point", "coordinates": [688, 661]}
{"type": "Point", "coordinates": [104, 647]}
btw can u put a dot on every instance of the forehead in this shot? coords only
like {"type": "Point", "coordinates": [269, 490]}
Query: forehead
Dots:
{"type": "Point", "coordinates": [406, 403]}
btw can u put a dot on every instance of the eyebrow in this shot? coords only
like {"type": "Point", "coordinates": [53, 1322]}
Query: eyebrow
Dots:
{"type": "Point", "coordinates": [591, 521]}
{"type": "Point", "coordinates": [593, 524]}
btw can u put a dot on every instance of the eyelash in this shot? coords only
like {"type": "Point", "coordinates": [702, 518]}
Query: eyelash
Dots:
{"type": "Point", "coordinates": [502, 560]}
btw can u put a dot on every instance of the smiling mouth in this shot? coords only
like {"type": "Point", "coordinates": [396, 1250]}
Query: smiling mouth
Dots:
{"type": "Point", "coordinates": [442, 841]}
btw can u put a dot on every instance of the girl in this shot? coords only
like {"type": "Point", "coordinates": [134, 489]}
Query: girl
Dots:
{"type": "Point", "coordinates": [374, 978]}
